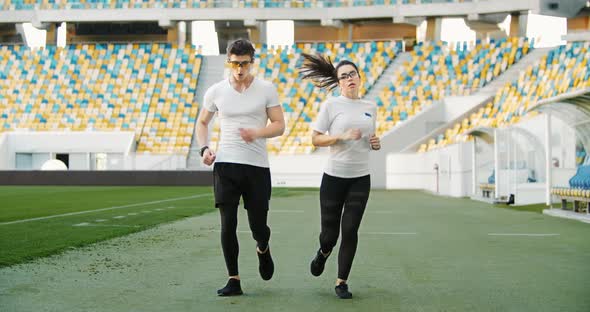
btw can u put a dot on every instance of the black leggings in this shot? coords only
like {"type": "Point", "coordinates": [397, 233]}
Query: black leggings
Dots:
{"type": "Point", "coordinates": [342, 199]}
{"type": "Point", "coordinates": [229, 240]}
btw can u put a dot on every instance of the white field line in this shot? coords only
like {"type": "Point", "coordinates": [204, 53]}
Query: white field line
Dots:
{"type": "Point", "coordinates": [85, 224]}
{"type": "Point", "coordinates": [241, 231]}
{"type": "Point", "coordinates": [523, 234]}
{"type": "Point", "coordinates": [389, 233]}
{"type": "Point", "coordinates": [115, 217]}
{"type": "Point", "coordinates": [104, 209]}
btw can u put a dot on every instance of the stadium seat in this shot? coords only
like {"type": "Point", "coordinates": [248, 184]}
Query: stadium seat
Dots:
{"type": "Point", "coordinates": [563, 69]}
{"type": "Point", "coordinates": [102, 87]}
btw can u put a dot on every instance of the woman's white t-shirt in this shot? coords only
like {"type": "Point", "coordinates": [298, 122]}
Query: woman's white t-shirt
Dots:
{"type": "Point", "coordinates": [348, 159]}
{"type": "Point", "coordinates": [241, 110]}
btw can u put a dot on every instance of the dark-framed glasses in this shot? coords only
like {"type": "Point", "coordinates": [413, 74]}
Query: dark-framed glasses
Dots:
{"type": "Point", "coordinates": [352, 74]}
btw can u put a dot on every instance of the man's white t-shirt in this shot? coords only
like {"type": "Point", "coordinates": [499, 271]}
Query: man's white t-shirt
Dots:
{"type": "Point", "coordinates": [348, 159]}
{"type": "Point", "coordinates": [241, 110]}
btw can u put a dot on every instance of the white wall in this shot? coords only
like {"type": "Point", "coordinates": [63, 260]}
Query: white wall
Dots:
{"type": "Point", "coordinates": [401, 136]}
{"type": "Point", "coordinates": [38, 160]}
{"type": "Point", "coordinates": [298, 170]}
{"type": "Point", "coordinates": [79, 161]}
{"type": "Point", "coordinates": [44, 146]}
{"type": "Point", "coordinates": [116, 161]}
{"type": "Point", "coordinates": [81, 147]}
{"type": "Point", "coordinates": [4, 155]}
{"type": "Point", "coordinates": [154, 162]}
{"type": "Point", "coordinates": [416, 171]}
{"type": "Point", "coordinates": [406, 135]}
{"type": "Point", "coordinates": [71, 142]}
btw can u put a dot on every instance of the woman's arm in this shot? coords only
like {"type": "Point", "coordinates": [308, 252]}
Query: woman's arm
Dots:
{"type": "Point", "coordinates": [320, 139]}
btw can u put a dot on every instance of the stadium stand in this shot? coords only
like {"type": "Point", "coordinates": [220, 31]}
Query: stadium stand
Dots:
{"type": "Point", "coordinates": [140, 87]}
{"type": "Point", "coordinates": [562, 70]}
{"type": "Point", "coordinates": [143, 91]}
{"type": "Point", "coordinates": [437, 70]}
{"type": "Point", "coordinates": [145, 4]}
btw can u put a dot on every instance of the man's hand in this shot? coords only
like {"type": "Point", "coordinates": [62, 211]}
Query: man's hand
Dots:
{"type": "Point", "coordinates": [208, 157]}
{"type": "Point", "coordinates": [248, 134]}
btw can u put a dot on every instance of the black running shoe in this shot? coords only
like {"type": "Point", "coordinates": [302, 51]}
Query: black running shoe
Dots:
{"type": "Point", "coordinates": [342, 291]}
{"type": "Point", "coordinates": [318, 263]}
{"type": "Point", "coordinates": [232, 288]}
{"type": "Point", "coordinates": [266, 266]}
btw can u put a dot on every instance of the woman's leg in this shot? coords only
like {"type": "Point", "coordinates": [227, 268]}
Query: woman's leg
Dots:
{"type": "Point", "coordinates": [333, 192]}
{"type": "Point", "coordinates": [354, 208]}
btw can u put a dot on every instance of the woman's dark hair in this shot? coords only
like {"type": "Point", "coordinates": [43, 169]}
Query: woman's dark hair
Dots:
{"type": "Point", "coordinates": [241, 47]}
{"type": "Point", "coordinates": [322, 71]}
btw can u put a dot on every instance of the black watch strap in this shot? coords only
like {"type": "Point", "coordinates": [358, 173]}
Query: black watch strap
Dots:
{"type": "Point", "coordinates": [203, 150]}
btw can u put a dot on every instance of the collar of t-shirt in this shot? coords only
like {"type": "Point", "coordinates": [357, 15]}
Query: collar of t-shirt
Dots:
{"type": "Point", "coordinates": [246, 89]}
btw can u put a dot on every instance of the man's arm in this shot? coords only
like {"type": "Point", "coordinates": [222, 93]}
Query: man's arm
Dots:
{"type": "Point", "coordinates": [276, 127]}
{"type": "Point", "coordinates": [203, 127]}
{"type": "Point", "coordinates": [202, 135]}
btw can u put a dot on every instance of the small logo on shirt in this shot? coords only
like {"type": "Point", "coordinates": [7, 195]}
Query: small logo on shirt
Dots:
{"type": "Point", "coordinates": [368, 115]}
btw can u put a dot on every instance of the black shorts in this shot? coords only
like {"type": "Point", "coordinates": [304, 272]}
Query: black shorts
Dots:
{"type": "Point", "coordinates": [252, 183]}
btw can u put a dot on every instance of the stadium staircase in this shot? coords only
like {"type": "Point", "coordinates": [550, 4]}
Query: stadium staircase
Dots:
{"type": "Point", "coordinates": [212, 71]}
{"type": "Point", "coordinates": [388, 76]}
{"type": "Point", "coordinates": [479, 99]}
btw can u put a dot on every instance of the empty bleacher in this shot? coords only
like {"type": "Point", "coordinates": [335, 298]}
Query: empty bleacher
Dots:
{"type": "Point", "coordinates": [562, 70]}
{"type": "Point", "coordinates": [437, 70]}
{"type": "Point", "coordinates": [172, 4]}
{"type": "Point", "coordinates": [149, 88]}
{"type": "Point", "coordinates": [146, 88]}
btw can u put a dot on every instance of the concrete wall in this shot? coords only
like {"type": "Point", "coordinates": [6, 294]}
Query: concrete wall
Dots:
{"type": "Point", "coordinates": [155, 162]}
{"type": "Point", "coordinates": [4, 155]}
{"type": "Point", "coordinates": [172, 178]}
{"type": "Point", "coordinates": [82, 148]}
{"type": "Point", "coordinates": [71, 142]}
{"type": "Point", "coordinates": [406, 135]}
{"type": "Point", "coordinates": [79, 161]}
{"type": "Point", "coordinates": [417, 171]}
{"type": "Point", "coordinates": [298, 170]}
{"type": "Point", "coordinates": [39, 159]}
{"type": "Point", "coordinates": [359, 12]}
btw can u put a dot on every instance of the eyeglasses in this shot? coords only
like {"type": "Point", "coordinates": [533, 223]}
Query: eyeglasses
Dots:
{"type": "Point", "coordinates": [352, 74]}
{"type": "Point", "coordinates": [236, 64]}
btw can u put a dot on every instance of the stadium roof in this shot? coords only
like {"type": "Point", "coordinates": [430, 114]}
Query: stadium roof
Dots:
{"type": "Point", "coordinates": [572, 107]}
{"type": "Point", "coordinates": [398, 13]}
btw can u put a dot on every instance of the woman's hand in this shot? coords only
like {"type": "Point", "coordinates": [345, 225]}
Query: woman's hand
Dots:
{"type": "Point", "coordinates": [248, 134]}
{"type": "Point", "coordinates": [375, 142]}
{"type": "Point", "coordinates": [351, 134]}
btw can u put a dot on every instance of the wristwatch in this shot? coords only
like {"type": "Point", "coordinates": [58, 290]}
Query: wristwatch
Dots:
{"type": "Point", "coordinates": [203, 150]}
